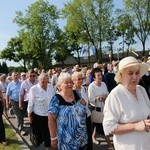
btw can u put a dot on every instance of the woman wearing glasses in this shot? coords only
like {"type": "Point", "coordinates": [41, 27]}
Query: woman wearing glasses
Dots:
{"type": "Point", "coordinates": [67, 117]}
{"type": "Point", "coordinates": [77, 78]}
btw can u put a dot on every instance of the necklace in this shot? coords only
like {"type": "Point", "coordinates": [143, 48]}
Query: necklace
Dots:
{"type": "Point", "coordinates": [69, 99]}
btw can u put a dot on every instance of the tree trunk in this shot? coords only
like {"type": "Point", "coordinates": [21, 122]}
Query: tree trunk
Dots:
{"type": "Point", "coordinates": [143, 44]}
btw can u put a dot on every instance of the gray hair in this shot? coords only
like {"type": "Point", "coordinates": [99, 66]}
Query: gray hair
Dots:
{"type": "Point", "coordinates": [42, 75]}
{"type": "Point", "coordinates": [63, 77]}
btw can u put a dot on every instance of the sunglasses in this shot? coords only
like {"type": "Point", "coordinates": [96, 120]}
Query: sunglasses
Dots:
{"type": "Point", "coordinates": [32, 75]}
{"type": "Point", "coordinates": [23, 75]}
{"type": "Point", "coordinates": [79, 79]}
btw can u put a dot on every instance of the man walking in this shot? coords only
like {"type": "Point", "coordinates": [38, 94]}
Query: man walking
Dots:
{"type": "Point", "coordinates": [12, 96]}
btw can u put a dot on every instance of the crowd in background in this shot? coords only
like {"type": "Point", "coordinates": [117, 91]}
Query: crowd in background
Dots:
{"type": "Point", "coordinates": [37, 94]}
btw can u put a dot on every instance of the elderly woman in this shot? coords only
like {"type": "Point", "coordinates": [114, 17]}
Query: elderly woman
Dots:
{"type": "Point", "coordinates": [67, 117]}
{"type": "Point", "coordinates": [127, 108]}
{"type": "Point", "coordinates": [77, 78]}
{"type": "Point", "coordinates": [3, 88]}
{"type": "Point", "coordinates": [39, 99]}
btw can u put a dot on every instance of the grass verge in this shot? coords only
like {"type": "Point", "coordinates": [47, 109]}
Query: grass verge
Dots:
{"type": "Point", "coordinates": [13, 143]}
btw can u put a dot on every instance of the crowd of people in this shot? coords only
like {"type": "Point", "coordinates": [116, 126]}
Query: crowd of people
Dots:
{"type": "Point", "coordinates": [59, 104]}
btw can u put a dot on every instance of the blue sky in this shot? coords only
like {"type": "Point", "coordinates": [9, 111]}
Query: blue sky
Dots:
{"type": "Point", "coordinates": [7, 13]}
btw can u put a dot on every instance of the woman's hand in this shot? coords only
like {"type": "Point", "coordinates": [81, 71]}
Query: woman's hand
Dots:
{"type": "Point", "coordinates": [143, 125]}
{"type": "Point", "coordinates": [101, 98]}
{"type": "Point", "coordinates": [54, 143]}
{"type": "Point", "coordinates": [83, 102]}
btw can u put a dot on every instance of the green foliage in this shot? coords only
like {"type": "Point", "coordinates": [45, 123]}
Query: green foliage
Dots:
{"type": "Point", "coordinates": [88, 20]}
{"type": "Point", "coordinates": [15, 51]}
{"type": "Point", "coordinates": [5, 68]}
{"type": "Point", "coordinates": [16, 69]}
{"type": "Point", "coordinates": [38, 31]}
{"type": "Point", "coordinates": [140, 12]}
{"type": "Point", "coordinates": [62, 50]}
{"type": "Point", "coordinates": [125, 29]}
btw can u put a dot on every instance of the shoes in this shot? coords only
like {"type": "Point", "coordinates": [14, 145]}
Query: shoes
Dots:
{"type": "Point", "coordinates": [96, 142]}
{"type": "Point", "coordinates": [23, 133]}
{"type": "Point", "coordinates": [4, 143]}
{"type": "Point", "coordinates": [11, 112]}
{"type": "Point", "coordinates": [19, 128]}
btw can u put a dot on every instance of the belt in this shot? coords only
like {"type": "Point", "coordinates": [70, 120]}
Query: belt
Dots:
{"type": "Point", "coordinates": [14, 101]}
{"type": "Point", "coordinates": [96, 108]}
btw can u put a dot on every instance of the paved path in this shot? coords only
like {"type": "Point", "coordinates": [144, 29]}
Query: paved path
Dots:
{"type": "Point", "coordinates": [27, 145]}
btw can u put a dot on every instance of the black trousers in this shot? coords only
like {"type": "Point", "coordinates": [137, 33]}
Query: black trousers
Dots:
{"type": "Point", "coordinates": [89, 132]}
{"type": "Point", "coordinates": [2, 129]}
{"type": "Point", "coordinates": [40, 129]}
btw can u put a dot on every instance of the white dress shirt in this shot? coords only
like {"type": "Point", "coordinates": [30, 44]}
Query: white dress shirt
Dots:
{"type": "Point", "coordinates": [39, 99]}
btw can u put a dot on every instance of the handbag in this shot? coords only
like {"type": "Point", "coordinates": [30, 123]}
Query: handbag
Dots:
{"type": "Point", "coordinates": [97, 116]}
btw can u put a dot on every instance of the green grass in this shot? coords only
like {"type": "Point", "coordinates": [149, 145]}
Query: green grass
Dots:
{"type": "Point", "coordinates": [13, 143]}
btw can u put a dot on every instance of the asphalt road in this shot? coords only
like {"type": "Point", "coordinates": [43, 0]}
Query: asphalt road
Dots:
{"type": "Point", "coordinates": [26, 140]}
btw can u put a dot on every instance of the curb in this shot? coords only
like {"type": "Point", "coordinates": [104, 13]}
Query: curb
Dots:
{"type": "Point", "coordinates": [24, 144]}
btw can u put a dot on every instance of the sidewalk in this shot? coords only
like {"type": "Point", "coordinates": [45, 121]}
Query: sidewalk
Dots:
{"type": "Point", "coordinates": [27, 145]}
{"type": "Point", "coordinates": [25, 140]}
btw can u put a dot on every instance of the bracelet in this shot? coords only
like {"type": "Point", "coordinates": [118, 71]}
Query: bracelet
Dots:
{"type": "Point", "coordinates": [55, 138]}
{"type": "Point", "coordinates": [145, 127]}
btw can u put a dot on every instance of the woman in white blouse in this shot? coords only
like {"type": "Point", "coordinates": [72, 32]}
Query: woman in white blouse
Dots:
{"type": "Point", "coordinates": [97, 93]}
{"type": "Point", "coordinates": [127, 108]}
{"type": "Point", "coordinates": [39, 99]}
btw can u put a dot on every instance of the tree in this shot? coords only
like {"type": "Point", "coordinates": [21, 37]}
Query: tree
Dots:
{"type": "Point", "coordinates": [62, 50]}
{"type": "Point", "coordinates": [87, 19]}
{"type": "Point", "coordinates": [74, 47]}
{"type": "Point", "coordinates": [38, 27]}
{"type": "Point", "coordinates": [14, 51]}
{"type": "Point", "coordinates": [112, 36]}
{"type": "Point", "coordinates": [125, 29]}
{"type": "Point", "coordinates": [140, 12]}
{"type": "Point", "coordinates": [5, 68]}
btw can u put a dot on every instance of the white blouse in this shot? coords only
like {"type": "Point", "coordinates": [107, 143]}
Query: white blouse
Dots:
{"type": "Point", "coordinates": [122, 107]}
{"type": "Point", "coordinates": [94, 91]}
{"type": "Point", "coordinates": [39, 99]}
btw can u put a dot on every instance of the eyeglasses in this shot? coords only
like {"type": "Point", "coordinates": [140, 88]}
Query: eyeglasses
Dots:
{"type": "Point", "coordinates": [79, 79]}
{"type": "Point", "coordinates": [23, 75]}
{"type": "Point", "coordinates": [32, 75]}
{"type": "Point", "coordinates": [68, 82]}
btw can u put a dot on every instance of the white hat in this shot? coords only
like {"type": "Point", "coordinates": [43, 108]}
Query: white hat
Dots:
{"type": "Point", "coordinates": [127, 62]}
